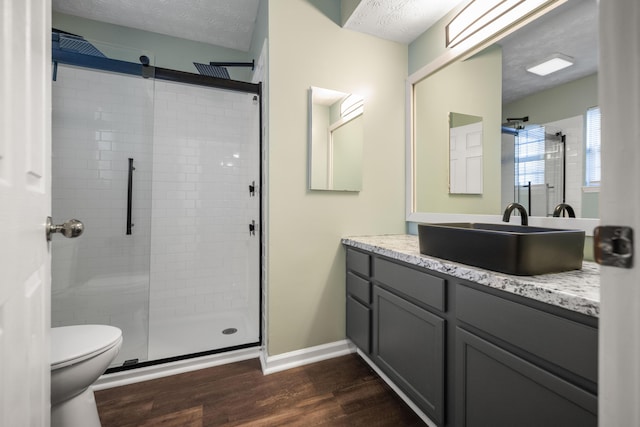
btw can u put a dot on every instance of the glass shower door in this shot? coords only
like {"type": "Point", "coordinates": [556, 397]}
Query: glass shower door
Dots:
{"type": "Point", "coordinates": [205, 260]}
{"type": "Point", "coordinates": [100, 121]}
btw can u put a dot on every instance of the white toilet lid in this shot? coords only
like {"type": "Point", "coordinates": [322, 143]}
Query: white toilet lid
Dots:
{"type": "Point", "coordinates": [71, 344]}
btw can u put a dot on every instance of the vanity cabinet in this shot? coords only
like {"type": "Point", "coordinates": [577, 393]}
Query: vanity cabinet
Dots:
{"type": "Point", "coordinates": [392, 317]}
{"type": "Point", "coordinates": [470, 355]}
{"type": "Point", "coordinates": [519, 365]}
{"type": "Point", "coordinates": [359, 299]}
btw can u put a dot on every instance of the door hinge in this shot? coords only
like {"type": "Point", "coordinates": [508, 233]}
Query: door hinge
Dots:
{"type": "Point", "coordinates": [252, 228]}
{"type": "Point", "coordinates": [252, 189]}
{"type": "Point", "coordinates": [613, 246]}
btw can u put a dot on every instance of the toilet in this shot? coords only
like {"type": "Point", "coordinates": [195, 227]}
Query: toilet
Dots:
{"type": "Point", "coordinates": [79, 355]}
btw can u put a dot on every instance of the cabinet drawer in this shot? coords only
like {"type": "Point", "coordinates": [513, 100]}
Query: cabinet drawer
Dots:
{"type": "Point", "coordinates": [568, 344]}
{"type": "Point", "coordinates": [359, 324]}
{"type": "Point", "coordinates": [359, 262]}
{"type": "Point", "coordinates": [415, 284]}
{"type": "Point", "coordinates": [359, 288]}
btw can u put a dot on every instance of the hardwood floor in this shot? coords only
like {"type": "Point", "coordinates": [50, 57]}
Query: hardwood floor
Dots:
{"type": "Point", "coordinates": [343, 391]}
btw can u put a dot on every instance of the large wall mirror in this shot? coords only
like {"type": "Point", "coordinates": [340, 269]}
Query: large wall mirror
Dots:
{"type": "Point", "coordinates": [335, 140]}
{"type": "Point", "coordinates": [540, 132]}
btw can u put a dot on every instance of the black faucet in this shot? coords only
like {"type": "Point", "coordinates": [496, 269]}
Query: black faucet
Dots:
{"type": "Point", "coordinates": [564, 207]}
{"type": "Point", "coordinates": [523, 213]}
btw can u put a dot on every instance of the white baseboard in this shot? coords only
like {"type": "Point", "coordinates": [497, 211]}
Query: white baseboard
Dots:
{"type": "Point", "coordinates": [399, 392]}
{"type": "Point", "coordinates": [293, 359]}
{"type": "Point", "coordinates": [118, 379]}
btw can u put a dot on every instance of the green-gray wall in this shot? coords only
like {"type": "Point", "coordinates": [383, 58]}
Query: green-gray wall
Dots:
{"type": "Point", "coordinates": [561, 102]}
{"type": "Point", "coordinates": [305, 261]}
{"type": "Point", "coordinates": [164, 51]}
{"type": "Point", "coordinates": [456, 89]}
{"type": "Point", "coordinates": [430, 44]}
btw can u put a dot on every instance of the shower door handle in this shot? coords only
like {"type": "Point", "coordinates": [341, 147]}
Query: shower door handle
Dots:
{"type": "Point", "coordinates": [71, 229]}
{"type": "Point", "coordinates": [130, 196]}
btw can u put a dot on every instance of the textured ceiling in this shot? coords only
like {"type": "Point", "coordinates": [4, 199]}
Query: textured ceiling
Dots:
{"type": "Point", "coordinates": [570, 29]}
{"type": "Point", "coordinates": [227, 23]}
{"type": "Point", "coordinates": [398, 20]}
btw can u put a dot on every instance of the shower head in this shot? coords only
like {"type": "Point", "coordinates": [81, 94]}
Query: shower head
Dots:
{"type": "Point", "coordinates": [518, 119]}
{"type": "Point", "coordinates": [74, 43]}
{"type": "Point", "coordinates": [212, 70]}
{"type": "Point", "coordinates": [516, 122]}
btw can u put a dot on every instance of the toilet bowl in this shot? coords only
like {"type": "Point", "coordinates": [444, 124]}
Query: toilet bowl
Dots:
{"type": "Point", "coordinates": [79, 355]}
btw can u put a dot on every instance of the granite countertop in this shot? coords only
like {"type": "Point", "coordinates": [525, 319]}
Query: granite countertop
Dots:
{"type": "Point", "coordinates": [577, 290]}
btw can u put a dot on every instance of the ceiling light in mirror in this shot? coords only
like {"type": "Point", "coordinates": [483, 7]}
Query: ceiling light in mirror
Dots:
{"type": "Point", "coordinates": [552, 64]}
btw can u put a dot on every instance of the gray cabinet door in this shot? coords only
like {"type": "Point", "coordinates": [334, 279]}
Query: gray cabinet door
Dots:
{"type": "Point", "coordinates": [408, 345]}
{"type": "Point", "coordinates": [496, 388]}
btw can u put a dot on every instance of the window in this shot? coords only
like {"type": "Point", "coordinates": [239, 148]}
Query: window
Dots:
{"type": "Point", "coordinates": [530, 156]}
{"type": "Point", "coordinates": [592, 168]}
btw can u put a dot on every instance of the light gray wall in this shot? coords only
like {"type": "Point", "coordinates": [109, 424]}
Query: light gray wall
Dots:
{"type": "Point", "coordinates": [567, 100]}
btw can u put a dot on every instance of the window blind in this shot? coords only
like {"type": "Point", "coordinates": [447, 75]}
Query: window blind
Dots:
{"type": "Point", "coordinates": [592, 167]}
{"type": "Point", "coordinates": [530, 156]}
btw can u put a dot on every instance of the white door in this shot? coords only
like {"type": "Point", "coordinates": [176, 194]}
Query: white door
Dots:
{"type": "Point", "coordinates": [465, 159]}
{"type": "Point", "coordinates": [619, 95]}
{"type": "Point", "coordinates": [25, 181]}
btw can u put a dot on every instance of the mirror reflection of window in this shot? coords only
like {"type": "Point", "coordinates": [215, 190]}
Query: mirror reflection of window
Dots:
{"type": "Point", "coordinates": [530, 150]}
{"type": "Point", "coordinates": [539, 170]}
{"type": "Point", "coordinates": [335, 140]}
{"type": "Point", "coordinates": [593, 148]}
{"type": "Point", "coordinates": [554, 163]}
{"type": "Point", "coordinates": [346, 155]}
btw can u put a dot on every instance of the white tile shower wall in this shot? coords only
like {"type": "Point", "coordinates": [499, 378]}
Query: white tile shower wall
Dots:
{"type": "Point", "coordinates": [206, 154]}
{"type": "Point", "coordinates": [99, 121]}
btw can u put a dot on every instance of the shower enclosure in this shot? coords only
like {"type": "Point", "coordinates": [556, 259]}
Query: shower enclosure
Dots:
{"type": "Point", "coordinates": [534, 163]}
{"type": "Point", "coordinates": [163, 168]}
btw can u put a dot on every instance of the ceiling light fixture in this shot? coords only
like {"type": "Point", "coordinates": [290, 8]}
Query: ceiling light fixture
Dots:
{"type": "Point", "coordinates": [555, 62]}
{"type": "Point", "coordinates": [475, 16]}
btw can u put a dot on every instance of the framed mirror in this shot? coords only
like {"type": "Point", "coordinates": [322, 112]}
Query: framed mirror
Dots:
{"type": "Point", "coordinates": [492, 81]}
{"type": "Point", "coordinates": [336, 139]}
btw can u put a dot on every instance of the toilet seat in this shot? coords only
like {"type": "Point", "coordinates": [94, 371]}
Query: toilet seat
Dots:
{"type": "Point", "coordinates": [73, 344]}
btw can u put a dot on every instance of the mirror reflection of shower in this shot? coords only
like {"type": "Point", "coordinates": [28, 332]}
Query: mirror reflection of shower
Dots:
{"type": "Point", "coordinates": [539, 170]}
{"type": "Point", "coordinates": [546, 167]}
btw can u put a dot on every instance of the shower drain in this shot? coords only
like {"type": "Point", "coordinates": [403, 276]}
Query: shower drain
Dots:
{"type": "Point", "coordinates": [229, 331]}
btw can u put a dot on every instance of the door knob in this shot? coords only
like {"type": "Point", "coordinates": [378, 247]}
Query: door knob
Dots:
{"type": "Point", "coordinates": [72, 228]}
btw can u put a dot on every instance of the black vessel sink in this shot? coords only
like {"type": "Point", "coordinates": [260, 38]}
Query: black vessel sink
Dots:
{"type": "Point", "coordinates": [511, 249]}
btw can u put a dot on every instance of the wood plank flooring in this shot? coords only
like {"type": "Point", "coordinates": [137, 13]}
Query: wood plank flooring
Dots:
{"type": "Point", "coordinates": [343, 391]}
